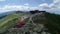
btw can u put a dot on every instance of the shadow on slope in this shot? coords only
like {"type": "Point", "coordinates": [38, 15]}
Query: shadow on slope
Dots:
{"type": "Point", "coordinates": [53, 23]}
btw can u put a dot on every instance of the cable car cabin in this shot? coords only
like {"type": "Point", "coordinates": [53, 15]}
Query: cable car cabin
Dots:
{"type": "Point", "coordinates": [36, 11]}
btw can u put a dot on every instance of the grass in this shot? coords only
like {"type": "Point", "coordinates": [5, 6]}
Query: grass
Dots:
{"type": "Point", "coordinates": [8, 22]}
{"type": "Point", "coordinates": [53, 23]}
{"type": "Point", "coordinates": [26, 20]}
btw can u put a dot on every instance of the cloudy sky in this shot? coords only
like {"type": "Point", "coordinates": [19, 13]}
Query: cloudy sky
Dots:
{"type": "Point", "coordinates": [26, 5]}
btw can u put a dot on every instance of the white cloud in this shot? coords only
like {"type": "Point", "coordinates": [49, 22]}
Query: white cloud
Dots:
{"type": "Point", "coordinates": [13, 7]}
{"type": "Point", "coordinates": [56, 1]}
{"type": "Point", "coordinates": [44, 6]}
{"type": "Point", "coordinates": [16, 7]}
{"type": "Point", "coordinates": [26, 4]}
{"type": "Point", "coordinates": [6, 8]}
{"type": "Point", "coordinates": [53, 5]}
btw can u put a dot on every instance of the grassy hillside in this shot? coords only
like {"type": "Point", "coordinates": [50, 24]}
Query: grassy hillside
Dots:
{"type": "Point", "coordinates": [8, 22]}
{"type": "Point", "coordinates": [53, 23]}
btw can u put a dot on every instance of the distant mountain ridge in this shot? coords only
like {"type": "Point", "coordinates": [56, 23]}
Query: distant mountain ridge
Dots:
{"type": "Point", "coordinates": [2, 15]}
{"type": "Point", "coordinates": [51, 21]}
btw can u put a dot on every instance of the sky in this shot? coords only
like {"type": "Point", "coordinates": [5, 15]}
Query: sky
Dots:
{"type": "Point", "coordinates": [52, 6]}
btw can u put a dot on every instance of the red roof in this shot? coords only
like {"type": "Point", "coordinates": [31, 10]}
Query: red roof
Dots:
{"type": "Point", "coordinates": [21, 23]}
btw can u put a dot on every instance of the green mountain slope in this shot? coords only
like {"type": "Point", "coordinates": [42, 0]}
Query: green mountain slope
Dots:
{"type": "Point", "coordinates": [53, 23]}
{"type": "Point", "coordinates": [50, 21]}
{"type": "Point", "coordinates": [8, 22]}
